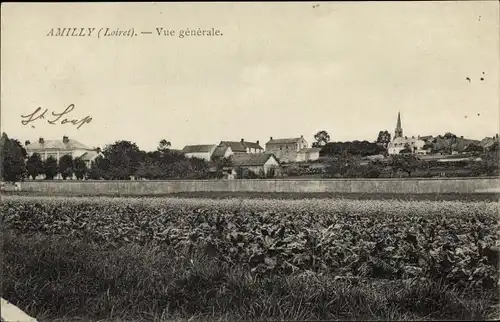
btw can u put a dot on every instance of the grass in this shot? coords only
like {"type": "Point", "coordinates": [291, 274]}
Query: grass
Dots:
{"type": "Point", "coordinates": [473, 197]}
{"type": "Point", "coordinates": [61, 279]}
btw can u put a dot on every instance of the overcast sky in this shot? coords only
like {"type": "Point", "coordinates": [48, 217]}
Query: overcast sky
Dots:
{"type": "Point", "coordinates": [279, 69]}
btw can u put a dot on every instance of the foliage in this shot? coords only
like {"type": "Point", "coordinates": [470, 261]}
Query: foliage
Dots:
{"type": "Point", "coordinates": [354, 148]}
{"type": "Point", "coordinates": [220, 165]}
{"type": "Point", "coordinates": [384, 138]}
{"type": "Point", "coordinates": [80, 168]}
{"type": "Point", "coordinates": [474, 148]}
{"type": "Point", "coordinates": [428, 146]}
{"type": "Point", "coordinates": [50, 168]}
{"type": "Point", "coordinates": [456, 241]}
{"type": "Point", "coordinates": [321, 138]}
{"type": "Point", "coordinates": [406, 162]}
{"type": "Point", "coordinates": [339, 166]}
{"type": "Point", "coordinates": [494, 147]}
{"type": "Point", "coordinates": [489, 164]}
{"type": "Point", "coordinates": [271, 173]}
{"type": "Point", "coordinates": [66, 166]}
{"type": "Point", "coordinates": [13, 157]}
{"type": "Point", "coordinates": [99, 169]}
{"type": "Point", "coordinates": [34, 165]}
{"type": "Point", "coordinates": [123, 159]}
{"type": "Point", "coordinates": [164, 145]}
{"type": "Point", "coordinates": [51, 276]}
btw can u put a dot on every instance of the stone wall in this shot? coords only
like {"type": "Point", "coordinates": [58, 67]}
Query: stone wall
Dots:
{"type": "Point", "coordinates": [392, 185]}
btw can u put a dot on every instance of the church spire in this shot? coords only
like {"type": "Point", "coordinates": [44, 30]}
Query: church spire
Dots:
{"type": "Point", "coordinates": [399, 130]}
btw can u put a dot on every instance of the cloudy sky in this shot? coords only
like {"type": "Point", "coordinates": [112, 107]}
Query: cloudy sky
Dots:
{"type": "Point", "coordinates": [279, 69]}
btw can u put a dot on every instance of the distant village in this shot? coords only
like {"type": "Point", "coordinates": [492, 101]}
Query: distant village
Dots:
{"type": "Point", "coordinates": [389, 156]}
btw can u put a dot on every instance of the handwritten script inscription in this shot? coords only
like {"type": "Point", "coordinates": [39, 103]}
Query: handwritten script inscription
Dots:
{"type": "Point", "coordinates": [58, 117]}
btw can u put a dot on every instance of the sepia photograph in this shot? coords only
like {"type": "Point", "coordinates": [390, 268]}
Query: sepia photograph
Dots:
{"type": "Point", "coordinates": [250, 161]}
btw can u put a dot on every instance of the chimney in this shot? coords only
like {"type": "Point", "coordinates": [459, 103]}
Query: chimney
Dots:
{"type": "Point", "coordinates": [242, 140]}
{"type": "Point", "coordinates": [461, 136]}
{"type": "Point", "coordinates": [41, 141]}
{"type": "Point", "coordinates": [271, 138]}
{"type": "Point", "coordinates": [301, 136]}
{"type": "Point", "coordinates": [257, 141]}
{"type": "Point", "coordinates": [418, 137]}
{"type": "Point", "coordinates": [496, 136]}
{"type": "Point", "coordinates": [65, 139]}
{"type": "Point", "coordinates": [27, 142]}
{"type": "Point", "coordinates": [413, 136]}
{"type": "Point", "coordinates": [406, 137]}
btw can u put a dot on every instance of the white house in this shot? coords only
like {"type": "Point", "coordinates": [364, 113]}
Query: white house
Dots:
{"type": "Point", "coordinates": [58, 148]}
{"type": "Point", "coordinates": [416, 145]}
{"type": "Point", "coordinates": [308, 154]}
{"type": "Point", "coordinates": [255, 162]}
{"type": "Point", "coordinates": [199, 151]}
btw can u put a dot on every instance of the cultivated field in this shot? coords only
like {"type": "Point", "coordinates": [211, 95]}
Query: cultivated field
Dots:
{"type": "Point", "coordinates": [295, 259]}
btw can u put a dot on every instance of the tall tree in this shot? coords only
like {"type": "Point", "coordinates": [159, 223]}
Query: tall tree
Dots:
{"type": "Point", "coordinates": [34, 165]}
{"type": "Point", "coordinates": [123, 158]}
{"type": "Point", "coordinates": [13, 157]}
{"type": "Point", "coordinates": [66, 166]}
{"type": "Point", "coordinates": [322, 138]}
{"type": "Point", "coordinates": [384, 138]}
{"type": "Point", "coordinates": [79, 168]}
{"type": "Point", "coordinates": [50, 168]}
{"type": "Point", "coordinates": [407, 163]}
{"type": "Point", "coordinates": [164, 145]}
{"type": "Point", "coordinates": [99, 169]}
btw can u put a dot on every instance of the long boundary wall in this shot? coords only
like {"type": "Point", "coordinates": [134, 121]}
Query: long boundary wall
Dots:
{"type": "Point", "coordinates": [414, 186]}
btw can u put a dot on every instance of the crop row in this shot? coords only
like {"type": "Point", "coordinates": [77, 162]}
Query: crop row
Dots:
{"type": "Point", "coordinates": [454, 240]}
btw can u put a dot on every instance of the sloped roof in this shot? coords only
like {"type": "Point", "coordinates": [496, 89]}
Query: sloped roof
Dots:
{"type": "Point", "coordinates": [459, 144]}
{"type": "Point", "coordinates": [250, 159]}
{"type": "Point", "coordinates": [89, 156]}
{"type": "Point", "coordinates": [57, 145]}
{"type": "Point", "coordinates": [220, 151]}
{"type": "Point", "coordinates": [462, 144]}
{"type": "Point", "coordinates": [252, 145]}
{"type": "Point", "coordinates": [487, 142]}
{"type": "Point", "coordinates": [198, 148]}
{"type": "Point", "coordinates": [238, 146]}
{"type": "Point", "coordinates": [284, 141]}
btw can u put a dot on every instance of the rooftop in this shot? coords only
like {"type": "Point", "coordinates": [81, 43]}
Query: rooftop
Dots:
{"type": "Point", "coordinates": [220, 151]}
{"type": "Point", "coordinates": [250, 159]}
{"type": "Point", "coordinates": [284, 141]}
{"type": "Point", "coordinates": [89, 156]}
{"type": "Point", "coordinates": [68, 144]}
{"type": "Point", "coordinates": [198, 148]}
{"type": "Point", "coordinates": [241, 146]}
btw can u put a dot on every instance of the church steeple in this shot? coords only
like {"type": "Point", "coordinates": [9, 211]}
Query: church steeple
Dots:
{"type": "Point", "coordinates": [399, 130]}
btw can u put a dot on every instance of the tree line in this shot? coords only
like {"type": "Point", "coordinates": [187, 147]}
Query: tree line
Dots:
{"type": "Point", "coordinates": [124, 160]}
{"type": "Point", "coordinates": [121, 160]}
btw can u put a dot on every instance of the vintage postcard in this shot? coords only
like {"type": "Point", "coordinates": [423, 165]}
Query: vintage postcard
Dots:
{"type": "Point", "coordinates": [250, 161]}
